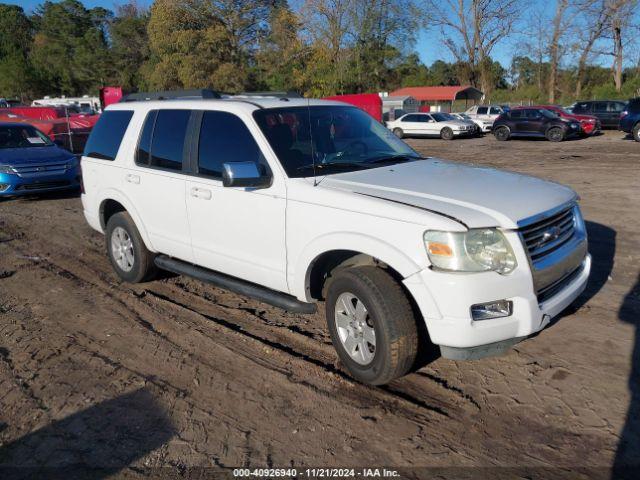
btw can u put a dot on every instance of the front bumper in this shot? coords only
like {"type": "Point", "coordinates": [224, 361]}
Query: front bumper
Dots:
{"type": "Point", "coordinates": [460, 133]}
{"type": "Point", "coordinates": [445, 300]}
{"type": "Point", "coordinates": [11, 185]}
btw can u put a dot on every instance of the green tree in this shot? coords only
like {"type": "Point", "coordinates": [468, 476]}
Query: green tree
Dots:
{"type": "Point", "coordinates": [70, 51]}
{"type": "Point", "coordinates": [282, 54]}
{"type": "Point", "coordinates": [200, 43]}
{"type": "Point", "coordinates": [16, 74]}
{"type": "Point", "coordinates": [129, 46]}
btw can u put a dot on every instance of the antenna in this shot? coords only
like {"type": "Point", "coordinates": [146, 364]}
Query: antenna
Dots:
{"type": "Point", "coordinates": [313, 153]}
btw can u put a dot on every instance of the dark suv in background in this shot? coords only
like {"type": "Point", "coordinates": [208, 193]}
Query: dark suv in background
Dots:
{"type": "Point", "coordinates": [534, 122]}
{"type": "Point", "coordinates": [607, 111]}
{"type": "Point", "coordinates": [630, 118]}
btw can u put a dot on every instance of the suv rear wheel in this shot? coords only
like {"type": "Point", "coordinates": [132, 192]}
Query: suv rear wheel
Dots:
{"type": "Point", "coordinates": [555, 134]}
{"type": "Point", "coordinates": [636, 132]}
{"type": "Point", "coordinates": [371, 324]}
{"type": "Point", "coordinates": [128, 254]}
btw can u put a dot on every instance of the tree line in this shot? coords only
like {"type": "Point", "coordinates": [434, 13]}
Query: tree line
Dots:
{"type": "Point", "coordinates": [580, 48]}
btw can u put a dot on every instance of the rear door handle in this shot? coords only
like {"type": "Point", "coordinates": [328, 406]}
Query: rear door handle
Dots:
{"type": "Point", "coordinates": [202, 193]}
{"type": "Point", "coordinates": [133, 178]}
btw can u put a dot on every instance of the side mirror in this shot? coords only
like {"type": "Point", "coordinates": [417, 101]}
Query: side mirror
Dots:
{"type": "Point", "coordinates": [244, 174]}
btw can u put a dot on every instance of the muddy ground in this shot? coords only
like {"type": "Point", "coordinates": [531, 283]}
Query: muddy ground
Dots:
{"type": "Point", "coordinates": [178, 374]}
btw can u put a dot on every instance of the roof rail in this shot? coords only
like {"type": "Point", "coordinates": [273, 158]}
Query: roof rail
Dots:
{"type": "Point", "coordinates": [171, 95]}
{"type": "Point", "coordinates": [289, 94]}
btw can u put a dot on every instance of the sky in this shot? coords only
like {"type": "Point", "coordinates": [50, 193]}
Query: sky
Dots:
{"type": "Point", "coordinates": [428, 44]}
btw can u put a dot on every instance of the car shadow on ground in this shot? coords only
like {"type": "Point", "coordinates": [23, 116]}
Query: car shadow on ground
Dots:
{"type": "Point", "coordinates": [626, 464]}
{"type": "Point", "coordinates": [94, 443]}
{"type": "Point", "coordinates": [602, 247]}
{"type": "Point", "coordinates": [56, 195]}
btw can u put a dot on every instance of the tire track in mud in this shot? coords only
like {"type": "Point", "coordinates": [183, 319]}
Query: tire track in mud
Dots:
{"type": "Point", "coordinates": [395, 394]}
{"type": "Point", "coordinates": [111, 289]}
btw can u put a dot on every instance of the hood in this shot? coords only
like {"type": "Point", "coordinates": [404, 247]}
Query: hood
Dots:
{"type": "Point", "coordinates": [33, 155]}
{"type": "Point", "coordinates": [474, 196]}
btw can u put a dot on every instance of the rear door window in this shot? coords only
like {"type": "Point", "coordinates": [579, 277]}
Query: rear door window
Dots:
{"type": "Point", "coordinates": [167, 145]}
{"type": "Point", "coordinates": [106, 137]}
{"type": "Point", "coordinates": [225, 138]}
{"type": "Point", "coordinates": [494, 111]}
{"type": "Point", "coordinates": [600, 106]}
{"type": "Point", "coordinates": [143, 154]}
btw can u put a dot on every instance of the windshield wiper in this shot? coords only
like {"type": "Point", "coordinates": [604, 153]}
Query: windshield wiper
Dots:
{"type": "Point", "coordinates": [394, 158]}
{"type": "Point", "coordinates": [323, 166]}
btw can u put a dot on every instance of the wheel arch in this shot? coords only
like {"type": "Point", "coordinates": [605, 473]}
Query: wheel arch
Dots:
{"type": "Point", "coordinates": [326, 254]}
{"type": "Point", "coordinates": [112, 202]}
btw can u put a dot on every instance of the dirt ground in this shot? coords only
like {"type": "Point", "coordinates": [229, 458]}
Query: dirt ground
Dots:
{"type": "Point", "coordinates": [178, 374]}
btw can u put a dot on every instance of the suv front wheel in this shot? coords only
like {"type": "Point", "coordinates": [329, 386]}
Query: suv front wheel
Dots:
{"type": "Point", "coordinates": [128, 254]}
{"type": "Point", "coordinates": [636, 132]}
{"type": "Point", "coordinates": [555, 134]}
{"type": "Point", "coordinates": [371, 324]}
{"type": "Point", "coordinates": [502, 134]}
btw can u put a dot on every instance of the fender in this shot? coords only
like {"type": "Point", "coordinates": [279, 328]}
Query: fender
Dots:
{"type": "Point", "coordinates": [357, 242]}
{"type": "Point", "coordinates": [120, 197]}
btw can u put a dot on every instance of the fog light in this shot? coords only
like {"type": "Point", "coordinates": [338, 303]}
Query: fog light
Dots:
{"type": "Point", "coordinates": [487, 311]}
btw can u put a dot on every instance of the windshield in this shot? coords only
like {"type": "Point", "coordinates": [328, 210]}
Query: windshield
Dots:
{"type": "Point", "coordinates": [548, 113]}
{"type": "Point", "coordinates": [18, 136]}
{"type": "Point", "coordinates": [329, 139]}
{"type": "Point", "coordinates": [442, 117]}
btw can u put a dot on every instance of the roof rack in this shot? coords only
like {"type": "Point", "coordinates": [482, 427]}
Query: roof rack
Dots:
{"type": "Point", "coordinates": [171, 95]}
{"type": "Point", "coordinates": [289, 94]}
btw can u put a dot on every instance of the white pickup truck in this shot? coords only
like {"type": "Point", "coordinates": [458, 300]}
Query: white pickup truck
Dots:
{"type": "Point", "coordinates": [296, 202]}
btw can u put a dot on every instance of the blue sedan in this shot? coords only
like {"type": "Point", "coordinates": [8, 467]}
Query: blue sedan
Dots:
{"type": "Point", "coordinates": [31, 163]}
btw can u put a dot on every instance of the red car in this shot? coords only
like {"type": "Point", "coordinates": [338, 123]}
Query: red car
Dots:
{"type": "Point", "coordinates": [590, 125]}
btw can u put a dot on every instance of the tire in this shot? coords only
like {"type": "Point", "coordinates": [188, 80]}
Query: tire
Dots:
{"type": "Point", "coordinates": [446, 133]}
{"type": "Point", "coordinates": [636, 132]}
{"type": "Point", "coordinates": [138, 264]}
{"type": "Point", "coordinates": [398, 132]}
{"type": "Point", "coordinates": [502, 134]}
{"type": "Point", "coordinates": [387, 313]}
{"type": "Point", "coordinates": [555, 134]}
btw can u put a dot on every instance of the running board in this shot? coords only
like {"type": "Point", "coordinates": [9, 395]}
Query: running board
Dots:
{"type": "Point", "coordinates": [236, 285]}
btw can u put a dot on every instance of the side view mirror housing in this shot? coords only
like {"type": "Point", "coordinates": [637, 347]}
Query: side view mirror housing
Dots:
{"type": "Point", "coordinates": [244, 174]}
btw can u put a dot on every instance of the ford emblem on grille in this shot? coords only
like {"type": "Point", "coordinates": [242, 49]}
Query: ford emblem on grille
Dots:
{"type": "Point", "coordinates": [549, 236]}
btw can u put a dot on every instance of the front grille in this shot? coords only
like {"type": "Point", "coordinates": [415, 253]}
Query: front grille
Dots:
{"type": "Point", "coordinates": [43, 185]}
{"type": "Point", "coordinates": [29, 170]}
{"type": "Point", "coordinates": [550, 290]}
{"type": "Point", "coordinates": [545, 236]}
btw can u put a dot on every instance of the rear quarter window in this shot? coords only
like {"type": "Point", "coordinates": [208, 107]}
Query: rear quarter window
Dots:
{"type": "Point", "coordinates": [106, 137]}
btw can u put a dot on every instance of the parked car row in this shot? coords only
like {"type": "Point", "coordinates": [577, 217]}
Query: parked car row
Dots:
{"type": "Point", "coordinates": [547, 121]}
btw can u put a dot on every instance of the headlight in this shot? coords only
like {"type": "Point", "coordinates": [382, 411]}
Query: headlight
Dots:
{"type": "Point", "coordinates": [478, 250]}
{"type": "Point", "coordinates": [7, 169]}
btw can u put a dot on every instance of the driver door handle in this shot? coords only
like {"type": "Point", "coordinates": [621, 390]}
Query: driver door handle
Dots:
{"type": "Point", "coordinates": [202, 193]}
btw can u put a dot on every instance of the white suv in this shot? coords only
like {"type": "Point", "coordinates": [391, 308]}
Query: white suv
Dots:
{"type": "Point", "coordinates": [295, 201]}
